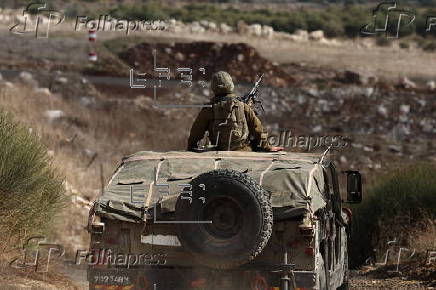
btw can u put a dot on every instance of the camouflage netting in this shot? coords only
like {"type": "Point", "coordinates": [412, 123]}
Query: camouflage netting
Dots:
{"type": "Point", "coordinates": [295, 181]}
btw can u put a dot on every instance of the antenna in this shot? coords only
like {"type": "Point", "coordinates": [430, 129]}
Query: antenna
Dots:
{"type": "Point", "coordinates": [324, 154]}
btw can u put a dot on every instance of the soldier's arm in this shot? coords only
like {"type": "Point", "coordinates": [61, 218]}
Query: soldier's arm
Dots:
{"type": "Point", "coordinates": [199, 127]}
{"type": "Point", "coordinates": [256, 129]}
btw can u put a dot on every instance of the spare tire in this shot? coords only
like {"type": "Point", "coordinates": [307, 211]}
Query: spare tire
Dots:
{"type": "Point", "coordinates": [240, 219]}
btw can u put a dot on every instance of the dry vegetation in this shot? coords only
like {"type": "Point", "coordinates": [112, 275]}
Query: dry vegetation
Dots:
{"type": "Point", "coordinates": [398, 212]}
{"type": "Point", "coordinates": [85, 137]}
{"type": "Point", "coordinates": [86, 142]}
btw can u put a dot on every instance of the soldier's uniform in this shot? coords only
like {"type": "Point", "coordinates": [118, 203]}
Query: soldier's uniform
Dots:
{"type": "Point", "coordinates": [232, 124]}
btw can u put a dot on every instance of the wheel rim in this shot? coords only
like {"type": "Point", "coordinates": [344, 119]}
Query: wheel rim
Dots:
{"type": "Point", "coordinates": [226, 216]}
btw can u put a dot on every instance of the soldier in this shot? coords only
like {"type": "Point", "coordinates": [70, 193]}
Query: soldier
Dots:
{"type": "Point", "coordinates": [232, 124]}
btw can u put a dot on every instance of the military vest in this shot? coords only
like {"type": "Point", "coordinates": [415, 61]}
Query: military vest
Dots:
{"type": "Point", "coordinates": [230, 127]}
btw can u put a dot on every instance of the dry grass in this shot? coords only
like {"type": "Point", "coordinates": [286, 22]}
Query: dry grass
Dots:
{"type": "Point", "coordinates": [90, 138]}
{"type": "Point", "coordinates": [82, 142]}
{"type": "Point", "coordinates": [399, 207]}
{"type": "Point", "coordinates": [87, 137]}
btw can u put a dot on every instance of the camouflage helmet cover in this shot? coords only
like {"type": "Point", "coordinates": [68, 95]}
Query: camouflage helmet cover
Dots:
{"type": "Point", "coordinates": [222, 83]}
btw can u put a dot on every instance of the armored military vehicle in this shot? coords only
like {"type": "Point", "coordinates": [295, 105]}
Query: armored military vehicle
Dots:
{"type": "Point", "coordinates": [222, 220]}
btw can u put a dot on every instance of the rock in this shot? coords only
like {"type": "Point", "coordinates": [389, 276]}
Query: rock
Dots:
{"type": "Point", "coordinates": [196, 27]}
{"type": "Point", "coordinates": [368, 92]}
{"type": "Point", "coordinates": [54, 114]}
{"type": "Point", "coordinates": [44, 91]}
{"type": "Point", "coordinates": [407, 84]}
{"type": "Point", "coordinates": [343, 159]}
{"type": "Point", "coordinates": [62, 80]}
{"type": "Point", "coordinates": [431, 85]}
{"type": "Point", "coordinates": [403, 118]}
{"type": "Point", "coordinates": [28, 79]}
{"type": "Point", "coordinates": [300, 37]}
{"type": "Point", "coordinates": [317, 129]}
{"type": "Point", "coordinates": [405, 109]}
{"type": "Point", "coordinates": [359, 78]}
{"type": "Point", "coordinates": [9, 85]}
{"type": "Point", "coordinates": [173, 26]}
{"type": "Point", "coordinates": [204, 23]}
{"type": "Point", "coordinates": [422, 103]}
{"type": "Point", "coordinates": [427, 125]}
{"type": "Point", "coordinates": [395, 148]}
{"type": "Point", "coordinates": [86, 101]}
{"type": "Point", "coordinates": [324, 105]}
{"type": "Point", "coordinates": [382, 110]}
{"type": "Point", "coordinates": [400, 132]}
{"type": "Point", "coordinates": [352, 77]}
{"type": "Point", "coordinates": [301, 99]}
{"type": "Point", "coordinates": [206, 92]}
{"type": "Point", "coordinates": [267, 31]}
{"type": "Point", "coordinates": [26, 76]}
{"type": "Point", "coordinates": [304, 34]}
{"type": "Point", "coordinates": [255, 30]}
{"type": "Point", "coordinates": [224, 28]}
{"type": "Point", "coordinates": [316, 35]}
{"type": "Point", "coordinates": [180, 56]}
{"type": "Point", "coordinates": [368, 149]}
{"type": "Point", "coordinates": [212, 26]}
{"type": "Point", "coordinates": [313, 91]}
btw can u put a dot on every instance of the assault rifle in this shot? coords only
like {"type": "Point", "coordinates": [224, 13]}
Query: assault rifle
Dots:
{"type": "Point", "coordinates": [252, 98]}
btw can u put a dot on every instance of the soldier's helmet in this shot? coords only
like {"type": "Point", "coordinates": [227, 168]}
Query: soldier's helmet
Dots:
{"type": "Point", "coordinates": [222, 83]}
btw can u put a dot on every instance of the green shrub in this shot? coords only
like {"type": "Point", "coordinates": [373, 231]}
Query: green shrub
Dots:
{"type": "Point", "coordinates": [334, 21]}
{"type": "Point", "coordinates": [31, 191]}
{"type": "Point", "coordinates": [395, 202]}
{"type": "Point", "coordinates": [429, 45]}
